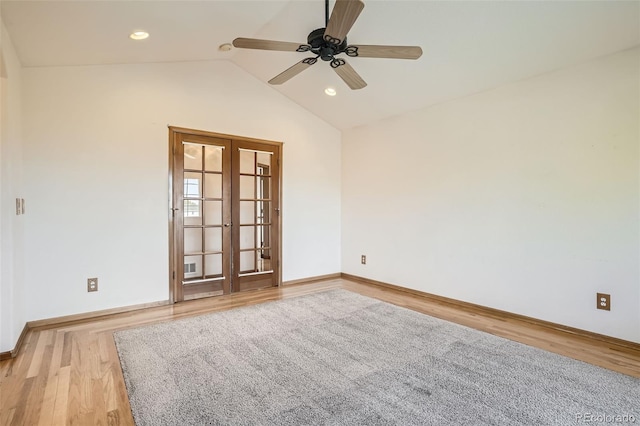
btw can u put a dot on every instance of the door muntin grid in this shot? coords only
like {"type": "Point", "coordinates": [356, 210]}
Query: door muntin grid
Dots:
{"type": "Point", "coordinates": [202, 213]}
{"type": "Point", "coordinates": [256, 221]}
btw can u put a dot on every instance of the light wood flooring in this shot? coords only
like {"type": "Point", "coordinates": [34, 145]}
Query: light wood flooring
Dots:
{"type": "Point", "coordinates": [71, 374]}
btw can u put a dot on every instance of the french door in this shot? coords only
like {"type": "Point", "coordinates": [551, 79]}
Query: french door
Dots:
{"type": "Point", "coordinates": [225, 214]}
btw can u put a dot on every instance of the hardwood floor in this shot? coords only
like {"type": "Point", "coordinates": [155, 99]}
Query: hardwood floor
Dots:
{"type": "Point", "coordinates": [71, 374]}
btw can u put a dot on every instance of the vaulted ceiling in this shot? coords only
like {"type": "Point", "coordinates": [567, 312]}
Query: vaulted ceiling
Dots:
{"type": "Point", "coordinates": [469, 46]}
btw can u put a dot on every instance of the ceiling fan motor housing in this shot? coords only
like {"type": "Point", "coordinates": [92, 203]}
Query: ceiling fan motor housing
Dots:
{"type": "Point", "coordinates": [323, 48]}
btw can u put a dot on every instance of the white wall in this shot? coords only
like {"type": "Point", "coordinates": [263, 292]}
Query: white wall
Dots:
{"type": "Point", "coordinates": [96, 176]}
{"type": "Point", "coordinates": [12, 295]}
{"type": "Point", "coordinates": [524, 198]}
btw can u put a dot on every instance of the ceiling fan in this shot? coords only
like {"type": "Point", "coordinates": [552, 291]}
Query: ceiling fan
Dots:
{"type": "Point", "coordinates": [330, 41]}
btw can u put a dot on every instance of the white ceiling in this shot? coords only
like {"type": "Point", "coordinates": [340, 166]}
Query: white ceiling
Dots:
{"type": "Point", "coordinates": [469, 46]}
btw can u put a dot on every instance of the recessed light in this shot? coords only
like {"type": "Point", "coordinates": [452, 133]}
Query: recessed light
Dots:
{"type": "Point", "coordinates": [330, 91]}
{"type": "Point", "coordinates": [139, 35]}
{"type": "Point", "coordinates": [225, 47]}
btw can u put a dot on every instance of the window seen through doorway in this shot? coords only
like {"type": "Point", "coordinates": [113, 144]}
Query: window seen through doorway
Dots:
{"type": "Point", "coordinates": [191, 189]}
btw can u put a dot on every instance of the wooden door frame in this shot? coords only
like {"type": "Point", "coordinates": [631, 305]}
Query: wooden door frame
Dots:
{"type": "Point", "coordinates": [173, 257]}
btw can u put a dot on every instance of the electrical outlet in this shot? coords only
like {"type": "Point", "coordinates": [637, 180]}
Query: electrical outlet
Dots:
{"type": "Point", "coordinates": [18, 207]}
{"type": "Point", "coordinates": [363, 259]}
{"type": "Point", "coordinates": [92, 284]}
{"type": "Point", "coordinates": [603, 301]}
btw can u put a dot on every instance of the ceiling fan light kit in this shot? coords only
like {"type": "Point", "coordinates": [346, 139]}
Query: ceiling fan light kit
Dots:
{"type": "Point", "coordinates": [326, 43]}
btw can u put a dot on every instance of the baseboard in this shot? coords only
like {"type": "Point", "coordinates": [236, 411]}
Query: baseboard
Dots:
{"type": "Point", "coordinates": [492, 312]}
{"type": "Point", "coordinates": [310, 280]}
{"type": "Point", "coordinates": [13, 353]}
{"type": "Point", "coordinates": [68, 320]}
{"type": "Point", "coordinates": [466, 306]}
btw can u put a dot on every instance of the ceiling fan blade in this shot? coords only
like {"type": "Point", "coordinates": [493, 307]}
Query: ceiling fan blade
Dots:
{"type": "Point", "coordinates": [343, 16]}
{"type": "Point", "coordinates": [287, 74]}
{"type": "Point", "coordinates": [348, 74]}
{"type": "Point", "coordinates": [392, 52]}
{"type": "Point", "coordinates": [283, 46]}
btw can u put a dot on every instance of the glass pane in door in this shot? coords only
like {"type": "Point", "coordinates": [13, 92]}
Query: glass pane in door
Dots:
{"type": "Point", "coordinates": [247, 261]}
{"type": "Point", "coordinates": [264, 187]}
{"type": "Point", "coordinates": [213, 185]}
{"type": "Point", "coordinates": [213, 158]}
{"type": "Point", "coordinates": [213, 239]}
{"type": "Point", "coordinates": [263, 264]}
{"type": "Point", "coordinates": [247, 237]}
{"type": "Point", "coordinates": [192, 267]}
{"type": "Point", "coordinates": [247, 161]}
{"type": "Point", "coordinates": [263, 163]}
{"type": "Point", "coordinates": [263, 212]}
{"type": "Point", "coordinates": [247, 187]}
{"type": "Point", "coordinates": [212, 212]}
{"type": "Point", "coordinates": [192, 185]}
{"type": "Point", "coordinates": [213, 265]}
{"type": "Point", "coordinates": [193, 240]}
{"type": "Point", "coordinates": [192, 212]}
{"type": "Point", "coordinates": [247, 212]}
{"type": "Point", "coordinates": [192, 157]}
{"type": "Point", "coordinates": [252, 261]}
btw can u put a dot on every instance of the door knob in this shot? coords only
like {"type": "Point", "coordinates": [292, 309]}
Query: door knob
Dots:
{"type": "Point", "coordinates": [226, 225]}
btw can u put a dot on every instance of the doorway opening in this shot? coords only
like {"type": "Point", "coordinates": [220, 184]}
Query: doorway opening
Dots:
{"type": "Point", "coordinates": [225, 225]}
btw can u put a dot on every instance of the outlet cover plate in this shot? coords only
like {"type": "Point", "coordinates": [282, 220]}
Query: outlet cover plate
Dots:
{"type": "Point", "coordinates": [92, 284]}
{"type": "Point", "coordinates": [603, 301]}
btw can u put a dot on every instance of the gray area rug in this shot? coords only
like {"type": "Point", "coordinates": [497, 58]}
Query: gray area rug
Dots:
{"type": "Point", "coordinates": [340, 358]}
